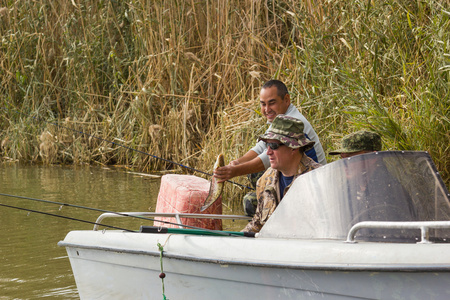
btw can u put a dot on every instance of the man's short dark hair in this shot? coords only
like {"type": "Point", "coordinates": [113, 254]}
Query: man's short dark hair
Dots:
{"type": "Point", "coordinates": [281, 87]}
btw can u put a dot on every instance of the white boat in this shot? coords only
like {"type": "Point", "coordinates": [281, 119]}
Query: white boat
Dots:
{"type": "Point", "coordinates": [374, 226]}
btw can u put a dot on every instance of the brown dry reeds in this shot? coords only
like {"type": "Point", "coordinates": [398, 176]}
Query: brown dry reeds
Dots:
{"type": "Point", "coordinates": [181, 79]}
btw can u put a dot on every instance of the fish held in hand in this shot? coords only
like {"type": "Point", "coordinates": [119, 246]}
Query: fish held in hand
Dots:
{"type": "Point", "coordinates": [215, 189]}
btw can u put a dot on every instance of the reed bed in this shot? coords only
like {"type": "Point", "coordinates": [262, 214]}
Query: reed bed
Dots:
{"type": "Point", "coordinates": [180, 79]}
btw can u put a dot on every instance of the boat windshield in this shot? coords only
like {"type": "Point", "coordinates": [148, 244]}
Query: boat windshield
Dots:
{"type": "Point", "coordinates": [379, 186]}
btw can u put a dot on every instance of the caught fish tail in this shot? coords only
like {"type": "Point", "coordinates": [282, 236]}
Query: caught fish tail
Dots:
{"type": "Point", "coordinates": [216, 188]}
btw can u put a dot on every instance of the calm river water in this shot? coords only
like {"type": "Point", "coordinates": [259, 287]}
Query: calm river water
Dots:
{"type": "Point", "coordinates": [32, 265]}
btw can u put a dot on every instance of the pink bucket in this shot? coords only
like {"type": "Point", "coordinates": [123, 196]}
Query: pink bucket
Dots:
{"type": "Point", "coordinates": [186, 194]}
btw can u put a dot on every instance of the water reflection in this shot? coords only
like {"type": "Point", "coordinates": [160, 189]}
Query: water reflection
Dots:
{"type": "Point", "coordinates": [32, 264]}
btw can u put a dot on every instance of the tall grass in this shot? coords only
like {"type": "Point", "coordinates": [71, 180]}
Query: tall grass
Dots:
{"type": "Point", "coordinates": [181, 79]}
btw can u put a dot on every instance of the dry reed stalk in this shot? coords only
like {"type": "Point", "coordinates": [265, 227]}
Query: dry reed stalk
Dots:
{"type": "Point", "coordinates": [122, 67]}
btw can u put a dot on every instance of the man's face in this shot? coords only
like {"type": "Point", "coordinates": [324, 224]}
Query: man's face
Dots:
{"type": "Point", "coordinates": [281, 158]}
{"type": "Point", "coordinates": [272, 104]}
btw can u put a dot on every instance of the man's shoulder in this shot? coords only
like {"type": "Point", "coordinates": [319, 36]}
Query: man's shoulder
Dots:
{"type": "Point", "coordinates": [309, 164]}
{"type": "Point", "coordinates": [269, 172]}
{"type": "Point", "coordinates": [268, 176]}
{"type": "Point", "coordinates": [293, 111]}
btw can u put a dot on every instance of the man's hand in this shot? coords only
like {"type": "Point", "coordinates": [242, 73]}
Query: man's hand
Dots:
{"type": "Point", "coordinates": [227, 172]}
{"type": "Point", "coordinates": [234, 162]}
{"type": "Point", "coordinates": [238, 168]}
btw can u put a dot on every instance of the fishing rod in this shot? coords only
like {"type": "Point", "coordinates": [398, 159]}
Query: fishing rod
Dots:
{"type": "Point", "coordinates": [63, 217]}
{"type": "Point", "coordinates": [216, 232]}
{"type": "Point", "coordinates": [126, 147]}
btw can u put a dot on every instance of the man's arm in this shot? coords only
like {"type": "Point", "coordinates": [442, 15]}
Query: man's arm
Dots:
{"type": "Point", "coordinates": [246, 158]}
{"type": "Point", "coordinates": [247, 164]}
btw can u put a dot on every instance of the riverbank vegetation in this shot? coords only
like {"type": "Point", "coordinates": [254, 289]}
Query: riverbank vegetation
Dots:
{"type": "Point", "coordinates": [180, 80]}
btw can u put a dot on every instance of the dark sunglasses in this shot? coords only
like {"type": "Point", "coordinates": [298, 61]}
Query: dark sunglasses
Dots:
{"type": "Point", "coordinates": [274, 146]}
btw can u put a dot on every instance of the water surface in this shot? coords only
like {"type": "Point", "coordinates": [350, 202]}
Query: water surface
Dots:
{"type": "Point", "coordinates": [32, 265]}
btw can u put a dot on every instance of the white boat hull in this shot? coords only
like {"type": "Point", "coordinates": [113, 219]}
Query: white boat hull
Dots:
{"type": "Point", "coordinates": [399, 213]}
{"type": "Point", "coordinates": [123, 265]}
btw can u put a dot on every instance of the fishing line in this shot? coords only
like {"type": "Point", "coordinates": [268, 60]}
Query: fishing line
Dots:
{"type": "Point", "coordinates": [63, 217]}
{"type": "Point", "coordinates": [78, 206]}
{"type": "Point", "coordinates": [99, 210]}
{"type": "Point", "coordinates": [126, 147]}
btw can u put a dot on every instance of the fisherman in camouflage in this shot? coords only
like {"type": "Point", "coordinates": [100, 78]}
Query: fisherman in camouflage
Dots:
{"type": "Point", "coordinates": [378, 194]}
{"type": "Point", "coordinates": [286, 144]}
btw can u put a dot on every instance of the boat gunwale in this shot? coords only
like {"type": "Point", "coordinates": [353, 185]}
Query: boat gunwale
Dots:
{"type": "Point", "coordinates": [324, 267]}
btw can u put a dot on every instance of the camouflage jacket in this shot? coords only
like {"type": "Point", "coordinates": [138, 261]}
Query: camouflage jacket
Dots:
{"type": "Point", "coordinates": [268, 193]}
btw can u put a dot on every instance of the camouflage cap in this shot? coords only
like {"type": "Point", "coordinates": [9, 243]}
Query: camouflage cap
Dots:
{"type": "Point", "coordinates": [289, 131]}
{"type": "Point", "coordinates": [359, 141]}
